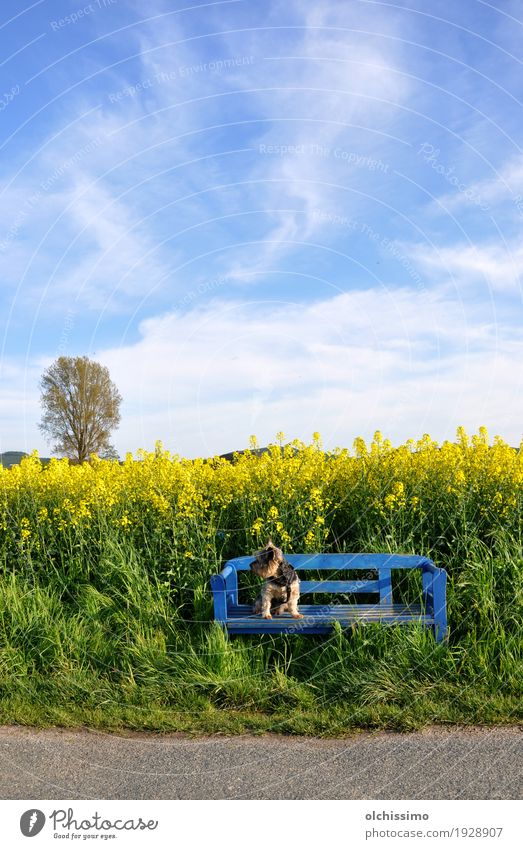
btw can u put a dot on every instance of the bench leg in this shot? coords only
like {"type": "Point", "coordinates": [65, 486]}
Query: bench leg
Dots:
{"type": "Point", "coordinates": [439, 598]}
{"type": "Point", "coordinates": [219, 592]}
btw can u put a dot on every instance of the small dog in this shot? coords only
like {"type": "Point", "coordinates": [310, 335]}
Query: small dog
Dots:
{"type": "Point", "coordinates": [281, 587]}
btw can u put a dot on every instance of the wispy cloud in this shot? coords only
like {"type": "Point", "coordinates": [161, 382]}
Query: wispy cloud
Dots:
{"type": "Point", "coordinates": [504, 186]}
{"type": "Point", "coordinates": [317, 97]}
{"type": "Point", "coordinates": [101, 229]}
{"type": "Point", "coordinates": [497, 266]}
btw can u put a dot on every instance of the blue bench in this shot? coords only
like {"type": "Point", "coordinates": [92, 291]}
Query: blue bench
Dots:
{"type": "Point", "coordinates": [318, 619]}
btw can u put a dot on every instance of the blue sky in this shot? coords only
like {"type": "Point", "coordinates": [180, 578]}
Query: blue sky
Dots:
{"type": "Point", "coordinates": [286, 216]}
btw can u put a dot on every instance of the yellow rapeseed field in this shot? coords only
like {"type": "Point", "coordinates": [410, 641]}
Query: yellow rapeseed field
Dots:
{"type": "Point", "coordinates": [305, 498]}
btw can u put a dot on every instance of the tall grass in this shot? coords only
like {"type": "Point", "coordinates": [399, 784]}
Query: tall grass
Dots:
{"type": "Point", "coordinates": [106, 612]}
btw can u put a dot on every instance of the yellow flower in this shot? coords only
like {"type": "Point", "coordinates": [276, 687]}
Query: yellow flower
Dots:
{"type": "Point", "coordinates": [25, 529]}
{"type": "Point", "coordinates": [309, 539]}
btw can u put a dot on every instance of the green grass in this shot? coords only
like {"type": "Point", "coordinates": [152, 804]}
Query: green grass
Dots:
{"type": "Point", "coordinates": [103, 640]}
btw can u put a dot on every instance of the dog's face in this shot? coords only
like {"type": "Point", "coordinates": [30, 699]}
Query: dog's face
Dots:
{"type": "Point", "coordinates": [267, 561]}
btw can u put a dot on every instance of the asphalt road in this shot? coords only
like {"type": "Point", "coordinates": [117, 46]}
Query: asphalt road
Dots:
{"type": "Point", "coordinates": [433, 764]}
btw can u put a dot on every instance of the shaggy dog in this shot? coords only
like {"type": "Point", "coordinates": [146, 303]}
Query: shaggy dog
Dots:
{"type": "Point", "coordinates": [281, 587]}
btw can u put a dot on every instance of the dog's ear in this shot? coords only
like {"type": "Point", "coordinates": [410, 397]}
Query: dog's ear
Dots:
{"type": "Point", "coordinates": [271, 549]}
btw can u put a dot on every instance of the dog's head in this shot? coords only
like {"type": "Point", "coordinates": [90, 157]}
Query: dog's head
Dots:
{"type": "Point", "coordinates": [268, 560]}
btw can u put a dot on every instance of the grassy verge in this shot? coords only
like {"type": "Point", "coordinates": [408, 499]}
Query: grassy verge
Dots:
{"type": "Point", "coordinates": [112, 653]}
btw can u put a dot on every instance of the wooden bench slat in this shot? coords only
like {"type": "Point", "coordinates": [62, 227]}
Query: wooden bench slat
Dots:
{"type": "Point", "coordinates": [310, 609]}
{"type": "Point", "coordinates": [279, 625]}
{"type": "Point", "coordinates": [339, 587]}
{"type": "Point", "coordinates": [316, 615]}
{"type": "Point", "coordinates": [345, 561]}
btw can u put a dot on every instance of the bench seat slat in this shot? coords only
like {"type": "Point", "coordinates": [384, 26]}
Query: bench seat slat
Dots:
{"type": "Point", "coordinates": [310, 609]}
{"type": "Point", "coordinates": [316, 616]}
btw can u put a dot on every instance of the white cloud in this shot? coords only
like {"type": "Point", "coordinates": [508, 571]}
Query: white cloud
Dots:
{"type": "Point", "coordinates": [77, 232]}
{"type": "Point", "coordinates": [115, 255]}
{"type": "Point", "coordinates": [504, 186]}
{"type": "Point", "coordinates": [497, 266]}
{"type": "Point", "coordinates": [204, 381]}
{"type": "Point", "coordinates": [20, 405]}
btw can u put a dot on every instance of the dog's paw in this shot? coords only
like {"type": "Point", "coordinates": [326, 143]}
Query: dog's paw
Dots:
{"type": "Point", "coordinates": [267, 616]}
{"type": "Point", "coordinates": [297, 615]}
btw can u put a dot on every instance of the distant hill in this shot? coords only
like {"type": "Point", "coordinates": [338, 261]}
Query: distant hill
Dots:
{"type": "Point", "coordinates": [256, 451]}
{"type": "Point", "coordinates": [327, 454]}
{"type": "Point", "coordinates": [12, 458]}
{"type": "Point", "coordinates": [230, 454]}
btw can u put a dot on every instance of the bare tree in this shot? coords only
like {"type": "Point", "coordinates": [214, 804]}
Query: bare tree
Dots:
{"type": "Point", "coordinates": [80, 407]}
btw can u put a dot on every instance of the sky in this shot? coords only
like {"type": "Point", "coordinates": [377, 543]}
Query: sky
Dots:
{"type": "Point", "coordinates": [294, 216]}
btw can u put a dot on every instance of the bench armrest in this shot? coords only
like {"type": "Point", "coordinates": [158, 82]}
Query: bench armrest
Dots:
{"type": "Point", "coordinates": [427, 565]}
{"type": "Point", "coordinates": [225, 591]}
{"type": "Point", "coordinates": [435, 599]}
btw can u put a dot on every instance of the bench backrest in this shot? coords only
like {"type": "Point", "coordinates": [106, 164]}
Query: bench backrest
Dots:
{"type": "Point", "coordinates": [380, 563]}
